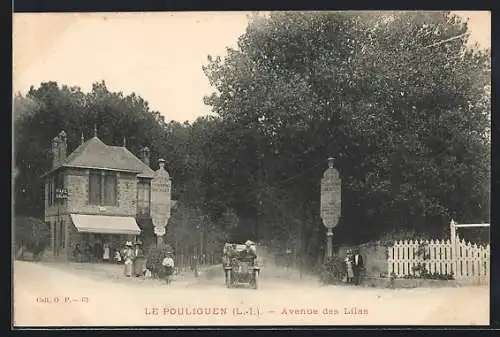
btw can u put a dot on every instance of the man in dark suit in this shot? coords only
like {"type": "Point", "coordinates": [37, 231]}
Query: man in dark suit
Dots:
{"type": "Point", "coordinates": [358, 265]}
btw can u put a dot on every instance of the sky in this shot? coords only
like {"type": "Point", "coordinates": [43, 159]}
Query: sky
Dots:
{"type": "Point", "coordinates": [157, 55]}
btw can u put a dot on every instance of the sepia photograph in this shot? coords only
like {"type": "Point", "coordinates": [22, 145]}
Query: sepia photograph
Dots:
{"type": "Point", "coordinates": [277, 168]}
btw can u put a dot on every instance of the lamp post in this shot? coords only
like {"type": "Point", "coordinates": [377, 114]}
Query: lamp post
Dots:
{"type": "Point", "coordinates": [202, 239]}
{"type": "Point", "coordinates": [196, 254]}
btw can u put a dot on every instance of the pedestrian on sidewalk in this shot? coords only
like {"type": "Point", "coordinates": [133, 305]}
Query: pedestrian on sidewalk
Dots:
{"type": "Point", "coordinates": [168, 264]}
{"type": "Point", "coordinates": [105, 253]}
{"type": "Point", "coordinates": [78, 254]}
{"type": "Point", "coordinates": [358, 266]}
{"type": "Point", "coordinates": [139, 260]}
{"type": "Point", "coordinates": [129, 259]}
{"type": "Point", "coordinates": [349, 268]}
{"type": "Point", "coordinates": [118, 256]}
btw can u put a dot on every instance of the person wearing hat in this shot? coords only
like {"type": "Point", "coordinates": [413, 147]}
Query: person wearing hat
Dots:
{"type": "Point", "coordinates": [349, 266]}
{"type": "Point", "coordinates": [168, 264]}
{"type": "Point", "coordinates": [129, 259]}
{"type": "Point", "coordinates": [251, 249]}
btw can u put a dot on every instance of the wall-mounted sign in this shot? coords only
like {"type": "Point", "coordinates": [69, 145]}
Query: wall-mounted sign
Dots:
{"type": "Point", "coordinates": [61, 193]}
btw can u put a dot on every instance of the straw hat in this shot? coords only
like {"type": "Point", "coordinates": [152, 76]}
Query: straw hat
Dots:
{"type": "Point", "coordinates": [128, 244]}
{"type": "Point", "coordinates": [249, 243]}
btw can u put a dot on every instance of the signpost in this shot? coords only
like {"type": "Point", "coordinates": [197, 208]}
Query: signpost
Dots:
{"type": "Point", "coordinates": [331, 200]}
{"type": "Point", "coordinates": [160, 201]}
{"type": "Point", "coordinates": [160, 231]}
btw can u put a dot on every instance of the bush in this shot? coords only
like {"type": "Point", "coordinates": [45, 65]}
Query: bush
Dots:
{"type": "Point", "coordinates": [333, 270]}
{"type": "Point", "coordinates": [154, 258]}
{"type": "Point", "coordinates": [430, 276]}
{"type": "Point", "coordinates": [30, 235]}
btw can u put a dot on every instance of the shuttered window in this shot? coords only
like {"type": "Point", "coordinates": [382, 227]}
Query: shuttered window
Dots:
{"type": "Point", "coordinates": [143, 197]}
{"type": "Point", "coordinates": [110, 188]}
{"type": "Point", "coordinates": [95, 187]}
{"type": "Point", "coordinates": [103, 188]}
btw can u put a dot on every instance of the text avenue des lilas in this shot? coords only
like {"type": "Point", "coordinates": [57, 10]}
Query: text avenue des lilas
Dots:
{"type": "Point", "coordinates": [249, 311]}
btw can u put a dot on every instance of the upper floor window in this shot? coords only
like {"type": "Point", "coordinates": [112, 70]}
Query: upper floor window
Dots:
{"type": "Point", "coordinates": [103, 188]}
{"type": "Point", "coordinates": [110, 183]}
{"type": "Point", "coordinates": [51, 191]}
{"type": "Point", "coordinates": [143, 197]}
{"type": "Point", "coordinates": [55, 182]}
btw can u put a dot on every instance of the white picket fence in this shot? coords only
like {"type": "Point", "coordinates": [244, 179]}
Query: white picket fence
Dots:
{"type": "Point", "coordinates": [466, 261]}
{"type": "Point", "coordinates": [473, 262]}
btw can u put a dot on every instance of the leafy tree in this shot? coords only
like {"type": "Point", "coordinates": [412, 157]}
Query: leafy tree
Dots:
{"type": "Point", "coordinates": [398, 98]}
{"type": "Point", "coordinates": [31, 235]}
{"type": "Point", "coordinates": [405, 115]}
{"type": "Point", "coordinates": [53, 108]}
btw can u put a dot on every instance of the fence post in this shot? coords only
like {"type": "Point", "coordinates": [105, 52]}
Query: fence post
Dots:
{"type": "Point", "coordinates": [453, 237]}
{"type": "Point", "coordinates": [390, 259]}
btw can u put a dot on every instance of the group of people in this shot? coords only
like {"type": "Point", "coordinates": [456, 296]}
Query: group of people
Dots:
{"type": "Point", "coordinates": [354, 266]}
{"type": "Point", "coordinates": [87, 252]}
{"type": "Point", "coordinates": [133, 259]}
{"type": "Point", "coordinates": [131, 255]}
{"type": "Point", "coordinates": [231, 249]}
{"type": "Point", "coordinates": [134, 262]}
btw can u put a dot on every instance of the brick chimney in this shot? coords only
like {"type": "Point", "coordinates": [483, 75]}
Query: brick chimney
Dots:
{"type": "Point", "coordinates": [63, 147]}
{"type": "Point", "coordinates": [55, 152]}
{"type": "Point", "coordinates": [145, 154]}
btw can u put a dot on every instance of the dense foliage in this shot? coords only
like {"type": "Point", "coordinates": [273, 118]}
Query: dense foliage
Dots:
{"type": "Point", "coordinates": [406, 117]}
{"type": "Point", "coordinates": [31, 235]}
{"type": "Point", "coordinates": [333, 270]}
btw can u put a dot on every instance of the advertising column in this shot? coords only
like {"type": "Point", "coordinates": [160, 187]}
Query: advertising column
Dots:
{"type": "Point", "coordinates": [330, 203]}
{"type": "Point", "coordinates": [160, 201]}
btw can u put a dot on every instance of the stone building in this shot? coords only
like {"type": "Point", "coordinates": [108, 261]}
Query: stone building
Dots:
{"type": "Point", "coordinates": [97, 194]}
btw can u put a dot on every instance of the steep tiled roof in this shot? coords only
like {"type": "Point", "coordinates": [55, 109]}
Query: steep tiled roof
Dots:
{"type": "Point", "coordinates": [95, 154]}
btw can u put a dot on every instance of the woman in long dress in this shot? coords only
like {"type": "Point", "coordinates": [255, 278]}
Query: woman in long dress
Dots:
{"type": "Point", "coordinates": [140, 260]}
{"type": "Point", "coordinates": [129, 259]}
{"type": "Point", "coordinates": [105, 254]}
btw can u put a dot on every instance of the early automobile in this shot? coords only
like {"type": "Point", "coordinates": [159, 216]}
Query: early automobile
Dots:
{"type": "Point", "coordinates": [240, 264]}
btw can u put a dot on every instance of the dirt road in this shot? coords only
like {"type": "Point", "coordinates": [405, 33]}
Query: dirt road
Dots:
{"type": "Point", "coordinates": [53, 295]}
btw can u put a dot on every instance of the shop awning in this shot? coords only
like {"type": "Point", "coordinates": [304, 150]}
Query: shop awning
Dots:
{"type": "Point", "coordinates": [105, 224]}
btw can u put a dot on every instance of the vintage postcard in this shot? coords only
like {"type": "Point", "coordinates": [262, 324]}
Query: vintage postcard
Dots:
{"type": "Point", "coordinates": [251, 168]}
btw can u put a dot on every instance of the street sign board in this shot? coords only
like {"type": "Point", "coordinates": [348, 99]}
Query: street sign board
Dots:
{"type": "Point", "coordinates": [331, 197]}
{"type": "Point", "coordinates": [159, 231]}
{"type": "Point", "coordinates": [160, 197]}
{"type": "Point", "coordinates": [61, 193]}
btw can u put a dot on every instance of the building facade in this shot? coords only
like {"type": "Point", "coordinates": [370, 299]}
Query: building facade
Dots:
{"type": "Point", "coordinates": [95, 195]}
